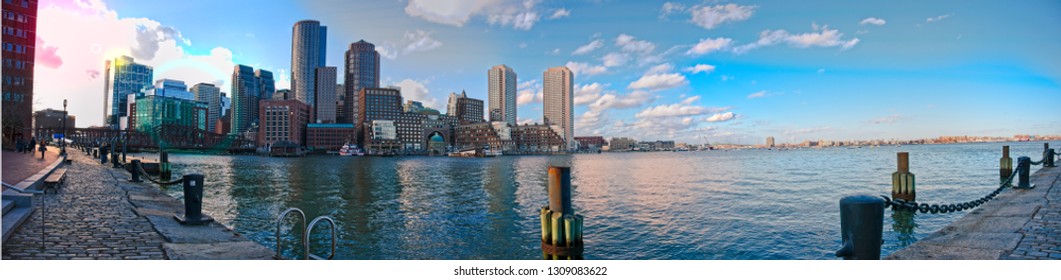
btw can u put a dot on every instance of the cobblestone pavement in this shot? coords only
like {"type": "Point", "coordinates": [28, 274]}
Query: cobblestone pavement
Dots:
{"type": "Point", "coordinates": [90, 218]}
{"type": "Point", "coordinates": [1042, 235]}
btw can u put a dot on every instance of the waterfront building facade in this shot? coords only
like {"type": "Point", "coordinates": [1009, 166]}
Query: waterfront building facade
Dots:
{"type": "Point", "coordinates": [211, 95]}
{"type": "Point", "coordinates": [621, 144]}
{"type": "Point", "coordinates": [591, 143]}
{"type": "Point", "coordinates": [558, 102]}
{"type": "Point", "coordinates": [123, 77]}
{"type": "Point", "coordinates": [154, 111]}
{"type": "Point", "coordinates": [362, 71]}
{"type": "Point", "coordinates": [466, 109]}
{"type": "Point", "coordinates": [18, 53]}
{"type": "Point", "coordinates": [51, 118]}
{"type": "Point", "coordinates": [329, 136]}
{"type": "Point", "coordinates": [282, 120]}
{"type": "Point", "coordinates": [325, 108]}
{"type": "Point", "coordinates": [495, 135]}
{"type": "Point", "coordinates": [536, 139]}
{"type": "Point", "coordinates": [308, 51]}
{"type": "Point", "coordinates": [502, 85]}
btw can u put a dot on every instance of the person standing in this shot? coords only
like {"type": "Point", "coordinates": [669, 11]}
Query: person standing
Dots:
{"type": "Point", "coordinates": [43, 148]}
{"type": "Point", "coordinates": [32, 143]}
{"type": "Point", "coordinates": [20, 144]}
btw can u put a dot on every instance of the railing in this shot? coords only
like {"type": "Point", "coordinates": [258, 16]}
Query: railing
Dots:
{"type": "Point", "coordinates": [862, 216]}
{"type": "Point", "coordinates": [307, 255]}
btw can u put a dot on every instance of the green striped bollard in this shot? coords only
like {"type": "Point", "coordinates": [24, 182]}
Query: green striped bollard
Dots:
{"type": "Point", "coordinates": [902, 180]}
{"type": "Point", "coordinates": [1005, 164]}
{"type": "Point", "coordinates": [163, 166]}
{"type": "Point", "coordinates": [561, 227]}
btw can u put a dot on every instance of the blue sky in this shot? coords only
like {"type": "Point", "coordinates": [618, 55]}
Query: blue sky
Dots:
{"type": "Point", "coordinates": [731, 71]}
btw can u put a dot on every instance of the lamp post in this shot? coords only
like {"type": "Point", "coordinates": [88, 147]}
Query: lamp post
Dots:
{"type": "Point", "coordinates": [62, 149]}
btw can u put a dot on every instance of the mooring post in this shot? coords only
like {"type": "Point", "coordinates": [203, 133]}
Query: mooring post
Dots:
{"type": "Point", "coordinates": [1024, 164]}
{"type": "Point", "coordinates": [1005, 164]}
{"type": "Point", "coordinates": [193, 201]}
{"type": "Point", "coordinates": [861, 225]}
{"type": "Point", "coordinates": [114, 158]}
{"type": "Point", "coordinates": [135, 171]}
{"type": "Point", "coordinates": [163, 166]}
{"type": "Point", "coordinates": [902, 180]}
{"type": "Point", "coordinates": [103, 155]}
{"type": "Point", "coordinates": [561, 227]}
{"type": "Point", "coordinates": [1048, 159]}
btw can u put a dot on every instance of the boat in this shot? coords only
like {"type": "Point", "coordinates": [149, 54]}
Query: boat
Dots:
{"type": "Point", "coordinates": [347, 150]}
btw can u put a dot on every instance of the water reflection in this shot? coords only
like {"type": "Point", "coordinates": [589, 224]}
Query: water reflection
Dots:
{"type": "Point", "coordinates": [903, 224]}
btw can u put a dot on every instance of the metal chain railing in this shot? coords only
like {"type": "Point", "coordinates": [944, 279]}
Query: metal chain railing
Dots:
{"type": "Point", "coordinates": [900, 204]}
{"type": "Point", "coordinates": [140, 168]}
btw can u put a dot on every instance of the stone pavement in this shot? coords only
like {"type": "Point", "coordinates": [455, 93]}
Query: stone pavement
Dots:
{"type": "Point", "coordinates": [1017, 224]}
{"type": "Point", "coordinates": [19, 166]}
{"type": "Point", "coordinates": [98, 215]}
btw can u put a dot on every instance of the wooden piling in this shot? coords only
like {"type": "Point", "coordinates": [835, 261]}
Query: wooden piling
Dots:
{"type": "Point", "coordinates": [561, 228]}
{"type": "Point", "coordinates": [902, 180]}
{"type": "Point", "coordinates": [1005, 164]}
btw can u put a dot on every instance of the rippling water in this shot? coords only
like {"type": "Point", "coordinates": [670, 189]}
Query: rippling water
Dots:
{"type": "Point", "coordinates": [755, 204]}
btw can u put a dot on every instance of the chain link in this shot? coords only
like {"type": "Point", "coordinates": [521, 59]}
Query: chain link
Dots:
{"type": "Point", "coordinates": [140, 168]}
{"type": "Point", "coordinates": [900, 204]}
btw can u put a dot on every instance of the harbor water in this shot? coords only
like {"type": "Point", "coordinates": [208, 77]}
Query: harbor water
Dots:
{"type": "Point", "coordinates": [740, 204]}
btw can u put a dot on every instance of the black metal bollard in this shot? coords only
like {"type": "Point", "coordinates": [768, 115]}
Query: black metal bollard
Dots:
{"type": "Point", "coordinates": [861, 225]}
{"type": "Point", "coordinates": [114, 159]}
{"type": "Point", "coordinates": [1048, 160]}
{"type": "Point", "coordinates": [103, 155]}
{"type": "Point", "coordinates": [163, 166]}
{"type": "Point", "coordinates": [135, 171]}
{"type": "Point", "coordinates": [1024, 166]}
{"type": "Point", "coordinates": [193, 201]}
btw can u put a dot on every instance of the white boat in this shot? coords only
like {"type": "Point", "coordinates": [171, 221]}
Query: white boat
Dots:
{"type": "Point", "coordinates": [348, 150]}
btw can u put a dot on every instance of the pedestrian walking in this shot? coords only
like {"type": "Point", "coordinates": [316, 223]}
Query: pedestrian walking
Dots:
{"type": "Point", "coordinates": [43, 148]}
{"type": "Point", "coordinates": [32, 144]}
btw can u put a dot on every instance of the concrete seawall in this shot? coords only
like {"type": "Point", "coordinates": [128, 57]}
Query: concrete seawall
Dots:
{"type": "Point", "coordinates": [1017, 224]}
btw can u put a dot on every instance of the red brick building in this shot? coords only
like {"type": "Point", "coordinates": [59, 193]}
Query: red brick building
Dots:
{"type": "Point", "coordinates": [329, 136]}
{"type": "Point", "coordinates": [282, 120]}
{"type": "Point", "coordinates": [591, 142]}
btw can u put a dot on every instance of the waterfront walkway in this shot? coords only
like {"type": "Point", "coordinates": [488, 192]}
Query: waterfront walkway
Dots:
{"type": "Point", "coordinates": [1023, 224]}
{"type": "Point", "coordinates": [99, 215]}
{"type": "Point", "coordinates": [20, 166]}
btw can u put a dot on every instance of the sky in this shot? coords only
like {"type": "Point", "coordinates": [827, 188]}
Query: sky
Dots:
{"type": "Point", "coordinates": [690, 71]}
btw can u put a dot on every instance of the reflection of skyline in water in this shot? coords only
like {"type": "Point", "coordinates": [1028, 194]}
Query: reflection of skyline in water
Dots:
{"type": "Point", "coordinates": [689, 205]}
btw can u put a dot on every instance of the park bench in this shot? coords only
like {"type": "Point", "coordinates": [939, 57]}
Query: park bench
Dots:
{"type": "Point", "coordinates": [54, 181]}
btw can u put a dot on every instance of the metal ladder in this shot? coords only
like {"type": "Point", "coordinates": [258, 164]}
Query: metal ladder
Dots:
{"type": "Point", "coordinates": [305, 235]}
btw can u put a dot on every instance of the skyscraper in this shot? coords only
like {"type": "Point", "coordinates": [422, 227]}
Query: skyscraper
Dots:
{"type": "Point", "coordinates": [558, 102]}
{"type": "Point", "coordinates": [122, 77]}
{"type": "Point", "coordinates": [19, 43]}
{"type": "Point", "coordinates": [244, 98]}
{"type": "Point", "coordinates": [325, 87]}
{"type": "Point", "coordinates": [211, 95]}
{"type": "Point", "coordinates": [770, 142]}
{"type": "Point", "coordinates": [308, 46]}
{"type": "Point", "coordinates": [362, 71]}
{"type": "Point", "coordinates": [266, 84]}
{"type": "Point", "coordinates": [502, 95]}
{"type": "Point", "coordinates": [466, 109]}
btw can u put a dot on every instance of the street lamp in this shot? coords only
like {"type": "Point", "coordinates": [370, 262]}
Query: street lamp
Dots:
{"type": "Point", "coordinates": [63, 147]}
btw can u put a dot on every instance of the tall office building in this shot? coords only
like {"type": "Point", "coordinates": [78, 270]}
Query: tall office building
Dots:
{"type": "Point", "coordinates": [308, 46]}
{"type": "Point", "coordinates": [466, 109]}
{"type": "Point", "coordinates": [558, 102]}
{"type": "Point", "coordinates": [266, 84]}
{"type": "Point", "coordinates": [362, 71]}
{"type": "Point", "coordinates": [19, 44]}
{"type": "Point", "coordinates": [325, 87]}
{"type": "Point", "coordinates": [211, 95]}
{"type": "Point", "coordinates": [170, 88]}
{"type": "Point", "coordinates": [770, 142]}
{"type": "Point", "coordinates": [244, 98]}
{"type": "Point", "coordinates": [502, 94]}
{"type": "Point", "coordinates": [122, 77]}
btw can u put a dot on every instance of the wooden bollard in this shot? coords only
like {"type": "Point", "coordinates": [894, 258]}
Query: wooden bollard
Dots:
{"type": "Point", "coordinates": [561, 227]}
{"type": "Point", "coordinates": [1005, 164]}
{"type": "Point", "coordinates": [902, 180]}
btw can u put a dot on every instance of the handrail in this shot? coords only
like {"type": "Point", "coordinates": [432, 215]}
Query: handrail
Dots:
{"type": "Point", "coordinates": [19, 190]}
{"type": "Point", "coordinates": [279, 247]}
{"type": "Point", "coordinates": [310, 229]}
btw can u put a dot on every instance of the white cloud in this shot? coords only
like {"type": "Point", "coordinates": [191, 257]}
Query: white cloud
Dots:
{"type": "Point", "coordinates": [670, 8]}
{"type": "Point", "coordinates": [419, 41]}
{"type": "Point", "coordinates": [631, 44]}
{"type": "Point", "coordinates": [586, 94]}
{"type": "Point", "coordinates": [721, 117]}
{"type": "Point", "coordinates": [588, 47]}
{"type": "Point", "coordinates": [581, 68]}
{"type": "Point", "coordinates": [529, 92]}
{"type": "Point", "coordinates": [659, 81]}
{"type": "Point", "coordinates": [822, 37]}
{"type": "Point", "coordinates": [887, 119]}
{"type": "Point", "coordinates": [938, 18]}
{"type": "Point", "coordinates": [708, 45]}
{"type": "Point", "coordinates": [700, 68]}
{"type": "Point", "coordinates": [387, 50]}
{"type": "Point", "coordinates": [637, 98]}
{"type": "Point", "coordinates": [614, 59]}
{"type": "Point", "coordinates": [760, 94]}
{"type": "Point", "coordinates": [416, 90]}
{"type": "Point", "coordinates": [710, 17]}
{"type": "Point", "coordinates": [518, 15]}
{"type": "Point", "coordinates": [690, 100]}
{"type": "Point", "coordinates": [873, 21]}
{"type": "Point", "coordinates": [82, 55]}
{"type": "Point", "coordinates": [662, 68]}
{"type": "Point", "coordinates": [559, 13]}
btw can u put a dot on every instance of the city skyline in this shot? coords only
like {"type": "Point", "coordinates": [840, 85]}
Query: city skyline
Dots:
{"type": "Point", "coordinates": [733, 71]}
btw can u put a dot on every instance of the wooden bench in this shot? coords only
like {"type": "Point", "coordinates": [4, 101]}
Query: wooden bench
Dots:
{"type": "Point", "coordinates": [54, 181]}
